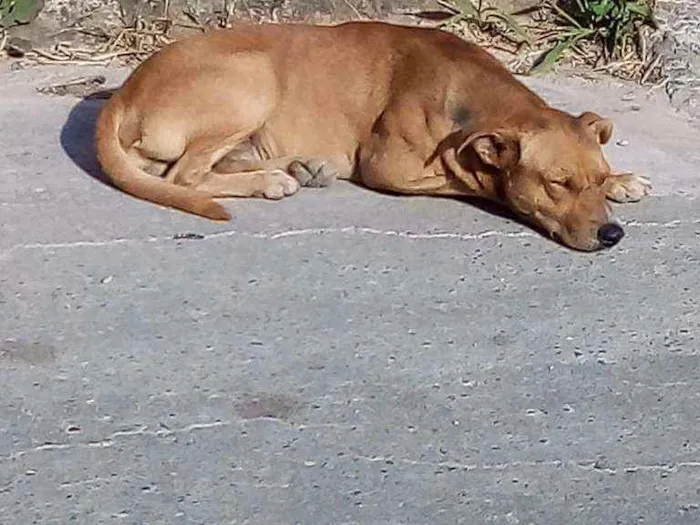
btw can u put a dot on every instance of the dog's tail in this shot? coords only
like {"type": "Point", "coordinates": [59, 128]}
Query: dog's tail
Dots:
{"type": "Point", "coordinates": [126, 176]}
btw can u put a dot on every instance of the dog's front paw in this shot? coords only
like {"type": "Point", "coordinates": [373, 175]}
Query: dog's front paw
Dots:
{"type": "Point", "coordinates": [278, 185]}
{"type": "Point", "coordinates": [626, 187]}
{"type": "Point", "coordinates": [315, 173]}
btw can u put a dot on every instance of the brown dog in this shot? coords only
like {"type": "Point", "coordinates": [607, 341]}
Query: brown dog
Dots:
{"type": "Point", "coordinates": [256, 110]}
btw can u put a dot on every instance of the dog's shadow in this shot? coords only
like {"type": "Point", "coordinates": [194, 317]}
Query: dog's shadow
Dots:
{"type": "Point", "coordinates": [78, 141]}
{"type": "Point", "coordinates": [78, 135]}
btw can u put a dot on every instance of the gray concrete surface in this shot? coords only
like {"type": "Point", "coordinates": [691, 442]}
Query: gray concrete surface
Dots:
{"type": "Point", "coordinates": [342, 357]}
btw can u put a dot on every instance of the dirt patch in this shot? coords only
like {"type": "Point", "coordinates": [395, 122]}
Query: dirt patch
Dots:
{"type": "Point", "coordinates": [80, 87]}
{"type": "Point", "coordinates": [267, 406]}
{"type": "Point", "coordinates": [13, 352]}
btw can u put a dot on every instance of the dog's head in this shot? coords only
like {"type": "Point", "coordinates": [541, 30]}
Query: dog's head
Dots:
{"type": "Point", "coordinates": [551, 173]}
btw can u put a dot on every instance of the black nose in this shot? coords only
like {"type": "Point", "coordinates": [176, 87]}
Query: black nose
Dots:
{"type": "Point", "coordinates": [610, 234]}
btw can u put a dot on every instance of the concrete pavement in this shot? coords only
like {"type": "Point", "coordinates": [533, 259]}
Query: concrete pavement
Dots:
{"type": "Point", "coordinates": [342, 357]}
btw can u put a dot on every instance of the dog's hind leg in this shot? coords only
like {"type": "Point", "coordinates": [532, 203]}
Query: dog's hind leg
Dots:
{"type": "Point", "coordinates": [242, 172]}
{"type": "Point", "coordinates": [270, 184]}
{"type": "Point", "coordinates": [312, 173]}
{"type": "Point", "coordinates": [150, 165]}
{"type": "Point", "coordinates": [201, 155]}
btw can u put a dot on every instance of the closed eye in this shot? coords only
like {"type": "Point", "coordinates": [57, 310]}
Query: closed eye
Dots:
{"type": "Point", "coordinates": [557, 189]}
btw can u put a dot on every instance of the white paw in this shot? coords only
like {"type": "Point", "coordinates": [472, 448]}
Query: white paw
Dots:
{"type": "Point", "coordinates": [627, 188]}
{"type": "Point", "coordinates": [278, 185]}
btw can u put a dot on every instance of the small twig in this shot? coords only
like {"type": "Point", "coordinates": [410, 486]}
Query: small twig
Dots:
{"type": "Point", "coordinates": [46, 54]}
{"type": "Point", "coordinates": [650, 68]}
{"type": "Point", "coordinates": [72, 62]}
{"type": "Point", "coordinates": [642, 46]}
{"type": "Point", "coordinates": [661, 84]}
{"type": "Point", "coordinates": [248, 8]}
{"type": "Point", "coordinates": [563, 14]}
{"type": "Point", "coordinates": [499, 47]}
{"type": "Point", "coordinates": [448, 6]}
{"type": "Point", "coordinates": [98, 79]}
{"type": "Point", "coordinates": [105, 57]}
{"type": "Point", "coordinates": [229, 9]}
{"type": "Point", "coordinates": [82, 30]}
{"type": "Point", "coordinates": [3, 40]}
{"type": "Point", "coordinates": [117, 40]}
{"type": "Point", "coordinates": [80, 50]}
{"type": "Point", "coordinates": [193, 18]}
{"type": "Point", "coordinates": [189, 26]}
{"type": "Point", "coordinates": [354, 9]}
{"type": "Point", "coordinates": [117, 54]}
{"type": "Point", "coordinates": [146, 32]}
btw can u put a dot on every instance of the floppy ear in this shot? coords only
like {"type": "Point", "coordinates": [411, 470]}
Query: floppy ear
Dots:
{"type": "Point", "coordinates": [601, 128]}
{"type": "Point", "coordinates": [495, 149]}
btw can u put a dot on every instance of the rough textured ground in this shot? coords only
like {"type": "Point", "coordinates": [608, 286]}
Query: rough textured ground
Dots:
{"type": "Point", "coordinates": [680, 20]}
{"type": "Point", "coordinates": [80, 21]}
{"type": "Point", "coordinates": [342, 357]}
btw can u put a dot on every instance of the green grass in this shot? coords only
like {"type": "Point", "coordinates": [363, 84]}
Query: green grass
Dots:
{"type": "Point", "coordinates": [16, 12]}
{"type": "Point", "coordinates": [613, 24]}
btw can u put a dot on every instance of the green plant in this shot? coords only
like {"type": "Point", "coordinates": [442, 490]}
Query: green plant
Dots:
{"type": "Point", "coordinates": [484, 17]}
{"type": "Point", "coordinates": [614, 24]}
{"type": "Point", "coordinates": [16, 12]}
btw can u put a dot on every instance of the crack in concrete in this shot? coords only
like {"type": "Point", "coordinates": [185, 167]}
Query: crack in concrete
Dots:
{"type": "Point", "coordinates": [261, 485]}
{"type": "Point", "coordinates": [585, 464]}
{"type": "Point", "coordinates": [346, 230]}
{"type": "Point", "coordinates": [143, 430]}
{"type": "Point", "coordinates": [660, 386]}
{"type": "Point", "coordinates": [589, 465]}
{"type": "Point", "coordinates": [630, 469]}
{"type": "Point", "coordinates": [96, 480]}
{"type": "Point", "coordinates": [76, 244]}
{"type": "Point", "coordinates": [109, 440]}
{"type": "Point", "coordinates": [669, 224]}
{"type": "Point", "coordinates": [82, 482]}
{"type": "Point", "coordinates": [336, 426]}
{"type": "Point", "coordinates": [354, 230]}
